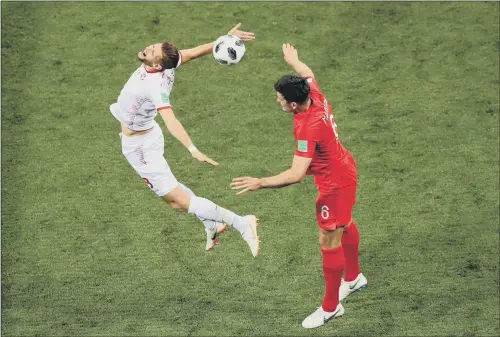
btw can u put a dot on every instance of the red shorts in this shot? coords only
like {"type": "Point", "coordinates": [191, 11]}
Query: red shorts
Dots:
{"type": "Point", "coordinates": [335, 208]}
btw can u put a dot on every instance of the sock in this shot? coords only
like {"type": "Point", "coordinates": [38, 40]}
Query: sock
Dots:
{"type": "Point", "coordinates": [333, 266]}
{"type": "Point", "coordinates": [206, 209]}
{"type": "Point", "coordinates": [350, 242]}
{"type": "Point", "coordinates": [209, 224]}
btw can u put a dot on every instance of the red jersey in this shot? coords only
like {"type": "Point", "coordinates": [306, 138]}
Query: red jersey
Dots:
{"type": "Point", "coordinates": [316, 135]}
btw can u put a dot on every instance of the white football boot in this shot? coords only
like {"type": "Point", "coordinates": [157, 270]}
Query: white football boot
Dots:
{"type": "Point", "coordinates": [213, 235]}
{"type": "Point", "coordinates": [320, 317]}
{"type": "Point", "coordinates": [347, 288]}
{"type": "Point", "coordinates": [251, 236]}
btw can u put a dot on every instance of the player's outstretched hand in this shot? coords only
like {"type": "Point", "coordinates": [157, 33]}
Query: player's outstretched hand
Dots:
{"type": "Point", "coordinates": [290, 53]}
{"type": "Point", "coordinates": [245, 184]}
{"type": "Point", "coordinates": [203, 158]}
{"type": "Point", "coordinates": [245, 36]}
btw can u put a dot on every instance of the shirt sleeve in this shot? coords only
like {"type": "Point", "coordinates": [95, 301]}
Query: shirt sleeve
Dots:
{"type": "Point", "coordinates": [179, 62]}
{"type": "Point", "coordinates": [313, 85]}
{"type": "Point", "coordinates": [306, 141]}
{"type": "Point", "coordinates": [160, 96]}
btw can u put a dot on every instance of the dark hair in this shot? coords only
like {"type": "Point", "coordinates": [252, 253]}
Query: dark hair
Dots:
{"type": "Point", "coordinates": [293, 88]}
{"type": "Point", "coordinates": [170, 55]}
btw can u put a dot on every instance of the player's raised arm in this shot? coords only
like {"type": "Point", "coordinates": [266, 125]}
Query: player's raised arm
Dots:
{"type": "Point", "coordinates": [205, 49]}
{"type": "Point", "coordinates": [292, 58]}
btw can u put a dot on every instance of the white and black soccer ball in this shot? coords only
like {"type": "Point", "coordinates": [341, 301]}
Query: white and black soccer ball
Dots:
{"type": "Point", "coordinates": [228, 49]}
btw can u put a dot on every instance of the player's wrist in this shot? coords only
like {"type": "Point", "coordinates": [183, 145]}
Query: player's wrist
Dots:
{"type": "Point", "coordinates": [191, 148]}
{"type": "Point", "coordinates": [262, 182]}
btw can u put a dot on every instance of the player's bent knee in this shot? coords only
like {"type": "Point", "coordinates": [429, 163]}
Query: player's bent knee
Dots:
{"type": "Point", "coordinates": [178, 206]}
{"type": "Point", "coordinates": [330, 239]}
{"type": "Point", "coordinates": [178, 199]}
{"type": "Point", "coordinates": [175, 205]}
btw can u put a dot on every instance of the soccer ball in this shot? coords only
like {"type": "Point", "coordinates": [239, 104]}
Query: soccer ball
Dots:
{"type": "Point", "coordinates": [228, 49]}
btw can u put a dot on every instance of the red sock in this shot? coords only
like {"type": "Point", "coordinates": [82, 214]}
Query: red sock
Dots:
{"type": "Point", "coordinates": [333, 266]}
{"type": "Point", "coordinates": [350, 242]}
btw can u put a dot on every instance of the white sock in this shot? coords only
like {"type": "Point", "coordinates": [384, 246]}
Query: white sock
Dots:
{"type": "Point", "coordinates": [204, 208]}
{"type": "Point", "coordinates": [209, 224]}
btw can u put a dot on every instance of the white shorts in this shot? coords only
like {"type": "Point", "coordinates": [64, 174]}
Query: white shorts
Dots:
{"type": "Point", "coordinates": [145, 154]}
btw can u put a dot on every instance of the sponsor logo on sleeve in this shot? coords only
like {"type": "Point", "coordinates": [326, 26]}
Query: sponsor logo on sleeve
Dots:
{"type": "Point", "coordinates": [165, 98]}
{"type": "Point", "coordinates": [302, 145]}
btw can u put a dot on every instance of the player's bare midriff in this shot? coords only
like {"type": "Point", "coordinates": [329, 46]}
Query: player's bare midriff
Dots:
{"type": "Point", "coordinates": [131, 133]}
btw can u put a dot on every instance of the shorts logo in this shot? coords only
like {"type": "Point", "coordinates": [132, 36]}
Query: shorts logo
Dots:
{"type": "Point", "coordinates": [140, 154]}
{"type": "Point", "coordinates": [302, 145]}
{"type": "Point", "coordinates": [165, 98]}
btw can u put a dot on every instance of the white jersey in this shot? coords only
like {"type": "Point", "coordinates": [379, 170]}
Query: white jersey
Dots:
{"type": "Point", "coordinates": [144, 94]}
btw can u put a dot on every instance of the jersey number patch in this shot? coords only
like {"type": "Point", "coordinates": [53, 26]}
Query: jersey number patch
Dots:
{"type": "Point", "coordinates": [324, 212]}
{"type": "Point", "coordinates": [328, 116]}
{"type": "Point", "coordinates": [334, 127]}
{"type": "Point", "coordinates": [148, 183]}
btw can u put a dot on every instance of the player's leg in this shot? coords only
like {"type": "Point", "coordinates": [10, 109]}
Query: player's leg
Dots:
{"type": "Point", "coordinates": [353, 279]}
{"type": "Point", "coordinates": [350, 242]}
{"type": "Point", "coordinates": [145, 155]}
{"type": "Point", "coordinates": [206, 209]}
{"type": "Point", "coordinates": [213, 228]}
{"type": "Point", "coordinates": [203, 208]}
{"type": "Point", "coordinates": [331, 223]}
{"type": "Point", "coordinates": [333, 266]}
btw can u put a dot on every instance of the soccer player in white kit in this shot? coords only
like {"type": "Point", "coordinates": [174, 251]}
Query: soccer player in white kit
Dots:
{"type": "Point", "coordinates": [146, 93]}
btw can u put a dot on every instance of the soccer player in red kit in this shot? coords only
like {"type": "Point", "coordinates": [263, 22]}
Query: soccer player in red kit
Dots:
{"type": "Point", "coordinates": [320, 153]}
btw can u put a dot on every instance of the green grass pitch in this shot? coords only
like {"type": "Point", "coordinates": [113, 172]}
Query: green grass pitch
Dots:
{"type": "Point", "coordinates": [88, 250]}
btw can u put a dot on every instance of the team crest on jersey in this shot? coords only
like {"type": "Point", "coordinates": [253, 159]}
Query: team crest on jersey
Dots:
{"type": "Point", "coordinates": [302, 145]}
